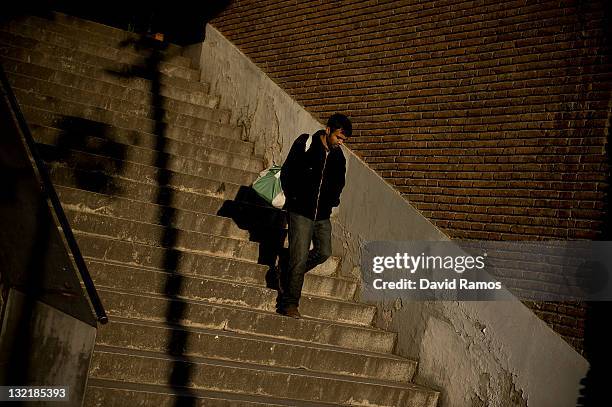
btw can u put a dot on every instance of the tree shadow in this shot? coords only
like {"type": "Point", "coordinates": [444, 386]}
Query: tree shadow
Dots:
{"type": "Point", "coordinates": [181, 369]}
{"type": "Point", "coordinates": [90, 150]}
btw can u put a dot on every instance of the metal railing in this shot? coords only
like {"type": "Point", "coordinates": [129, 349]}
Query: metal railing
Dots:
{"type": "Point", "coordinates": [49, 193]}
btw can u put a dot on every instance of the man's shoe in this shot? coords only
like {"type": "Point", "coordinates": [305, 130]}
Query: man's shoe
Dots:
{"type": "Point", "coordinates": [290, 312]}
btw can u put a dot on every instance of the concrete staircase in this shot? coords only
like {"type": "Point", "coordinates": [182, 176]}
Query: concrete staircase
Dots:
{"type": "Point", "coordinates": [144, 164]}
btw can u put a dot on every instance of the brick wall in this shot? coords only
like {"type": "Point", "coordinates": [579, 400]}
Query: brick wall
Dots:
{"type": "Point", "coordinates": [490, 117]}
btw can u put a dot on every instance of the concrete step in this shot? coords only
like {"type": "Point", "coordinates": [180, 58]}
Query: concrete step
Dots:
{"type": "Point", "coordinates": [100, 113]}
{"type": "Point", "coordinates": [160, 187]}
{"type": "Point", "coordinates": [256, 297]}
{"type": "Point", "coordinates": [98, 28]}
{"type": "Point", "coordinates": [121, 208]}
{"type": "Point", "coordinates": [101, 249]}
{"type": "Point", "coordinates": [164, 169]}
{"type": "Point", "coordinates": [82, 89]}
{"type": "Point", "coordinates": [319, 283]}
{"type": "Point", "coordinates": [20, 53]}
{"type": "Point", "coordinates": [214, 145]}
{"type": "Point", "coordinates": [257, 220]}
{"type": "Point", "coordinates": [201, 373]}
{"type": "Point", "coordinates": [91, 137]}
{"type": "Point", "coordinates": [160, 308]}
{"type": "Point", "coordinates": [113, 51]}
{"type": "Point", "coordinates": [157, 337]}
{"type": "Point", "coordinates": [329, 268]}
{"type": "Point", "coordinates": [199, 198]}
{"type": "Point", "coordinates": [160, 236]}
{"type": "Point", "coordinates": [106, 250]}
{"type": "Point", "coordinates": [97, 33]}
{"type": "Point", "coordinates": [110, 393]}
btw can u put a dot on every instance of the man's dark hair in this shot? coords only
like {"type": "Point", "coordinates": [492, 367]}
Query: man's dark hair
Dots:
{"type": "Point", "coordinates": [340, 121]}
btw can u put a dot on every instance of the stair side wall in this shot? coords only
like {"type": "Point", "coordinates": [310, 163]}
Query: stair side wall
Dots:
{"type": "Point", "coordinates": [56, 349]}
{"type": "Point", "coordinates": [495, 354]}
{"type": "Point", "coordinates": [265, 114]}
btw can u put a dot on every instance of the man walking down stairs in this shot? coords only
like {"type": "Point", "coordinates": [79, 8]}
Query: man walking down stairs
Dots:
{"type": "Point", "coordinates": [143, 160]}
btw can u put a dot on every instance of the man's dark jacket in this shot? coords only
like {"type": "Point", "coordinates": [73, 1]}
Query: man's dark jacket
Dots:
{"type": "Point", "coordinates": [312, 182]}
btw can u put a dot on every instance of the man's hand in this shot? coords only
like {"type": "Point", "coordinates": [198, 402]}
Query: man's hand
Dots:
{"type": "Point", "coordinates": [334, 212]}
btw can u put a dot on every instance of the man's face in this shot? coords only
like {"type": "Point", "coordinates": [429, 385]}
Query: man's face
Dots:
{"type": "Point", "coordinates": [336, 138]}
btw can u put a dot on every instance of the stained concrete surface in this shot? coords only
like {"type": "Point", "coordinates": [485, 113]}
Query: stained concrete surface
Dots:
{"type": "Point", "coordinates": [56, 350]}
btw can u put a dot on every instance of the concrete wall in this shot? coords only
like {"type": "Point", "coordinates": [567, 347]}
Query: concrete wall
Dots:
{"type": "Point", "coordinates": [266, 114]}
{"type": "Point", "coordinates": [476, 353]}
{"type": "Point", "coordinates": [51, 348]}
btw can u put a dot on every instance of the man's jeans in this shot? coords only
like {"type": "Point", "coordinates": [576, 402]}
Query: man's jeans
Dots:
{"type": "Point", "coordinates": [301, 231]}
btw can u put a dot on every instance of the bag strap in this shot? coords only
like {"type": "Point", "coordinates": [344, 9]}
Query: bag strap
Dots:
{"type": "Point", "coordinates": [308, 143]}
